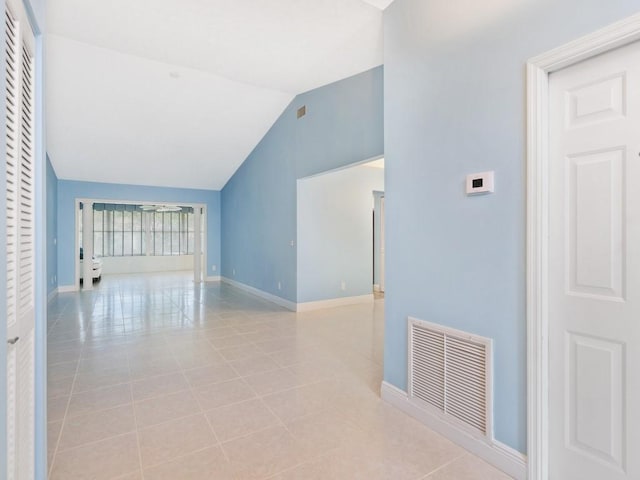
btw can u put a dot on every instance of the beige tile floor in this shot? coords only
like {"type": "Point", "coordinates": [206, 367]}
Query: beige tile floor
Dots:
{"type": "Point", "coordinates": [153, 378]}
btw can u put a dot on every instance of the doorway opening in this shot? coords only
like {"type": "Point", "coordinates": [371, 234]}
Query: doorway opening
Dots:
{"type": "Point", "coordinates": [339, 255]}
{"type": "Point", "coordinates": [138, 237]}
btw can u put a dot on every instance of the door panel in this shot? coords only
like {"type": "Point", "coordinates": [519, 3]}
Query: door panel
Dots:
{"type": "Point", "coordinates": [19, 190]}
{"type": "Point", "coordinates": [594, 268]}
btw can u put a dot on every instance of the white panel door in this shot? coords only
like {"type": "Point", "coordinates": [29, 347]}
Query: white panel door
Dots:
{"type": "Point", "coordinates": [594, 271]}
{"type": "Point", "coordinates": [19, 164]}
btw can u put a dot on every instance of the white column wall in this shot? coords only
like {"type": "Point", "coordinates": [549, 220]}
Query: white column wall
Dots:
{"type": "Point", "coordinates": [87, 245]}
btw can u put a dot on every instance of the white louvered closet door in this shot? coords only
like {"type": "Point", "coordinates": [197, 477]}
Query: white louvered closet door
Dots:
{"type": "Point", "coordinates": [20, 145]}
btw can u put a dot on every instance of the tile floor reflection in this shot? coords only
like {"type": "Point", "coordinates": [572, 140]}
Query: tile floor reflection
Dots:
{"type": "Point", "coordinates": [151, 377]}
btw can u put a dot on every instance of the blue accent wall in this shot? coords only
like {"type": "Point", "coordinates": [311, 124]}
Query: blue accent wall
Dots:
{"type": "Point", "coordinates": [454, 105]}
{"type": "Point", "coordinates": [69, 191]}
{"type": "Point", "coordinates": [52, 228]}
{"type": "Point", "coordinates": [343, 125]}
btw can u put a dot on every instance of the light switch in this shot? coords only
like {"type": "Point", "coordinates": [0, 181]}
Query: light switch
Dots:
{"type": "Point", "coordinates": [480, 183]}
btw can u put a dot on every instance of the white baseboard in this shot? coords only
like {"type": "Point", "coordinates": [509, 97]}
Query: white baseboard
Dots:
{"type": "Point", "coordinates": [297, 307]}
{"type": "Point", "coordinates": [496, 453]}
{"type": "Point", "coordinates": [376, 287]}
{"type": "Point", "coordinates": [334, 302]}
{"type": "Point", "coordinates": [52, 295]}
{"type": "Point", "coordinates": [262, 294]}
{"type": "Point", "coordinates": [67, 288]}
{"type": "Point", "coordinates": [212, 279]}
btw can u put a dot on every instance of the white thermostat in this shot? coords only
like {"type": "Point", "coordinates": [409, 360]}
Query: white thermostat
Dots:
{"type": "Point", "coordinates": [480, 183]}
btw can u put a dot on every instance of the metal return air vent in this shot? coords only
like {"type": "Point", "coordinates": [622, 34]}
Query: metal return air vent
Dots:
{"type": "Point", "coordinates": [450, 374]}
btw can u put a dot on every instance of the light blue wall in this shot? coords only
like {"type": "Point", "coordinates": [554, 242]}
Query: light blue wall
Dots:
{"type": "Point", "coordinates": [455, 104]}
{"type": "Point", "coordinates": [69, 190]}
{"type": "Point", "coordinates": [52, 228]}
{"type": "Point", "coordinates": [335, 233]}
{"type": "Point", "coordinates": [343, 125]}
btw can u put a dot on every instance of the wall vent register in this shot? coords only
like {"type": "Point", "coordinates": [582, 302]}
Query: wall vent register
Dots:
{"type": "Point", "coordinates": [450, 374]}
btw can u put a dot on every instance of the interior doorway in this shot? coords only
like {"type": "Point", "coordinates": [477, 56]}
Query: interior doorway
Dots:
{"type": "Point", "coordinates": [138, 237]}
{"type": "Point", "coordinates": [336, 254]}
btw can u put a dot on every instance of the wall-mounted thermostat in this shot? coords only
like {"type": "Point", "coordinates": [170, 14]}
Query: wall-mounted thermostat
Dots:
{"type": "Point", "coordinates": [480, 183]}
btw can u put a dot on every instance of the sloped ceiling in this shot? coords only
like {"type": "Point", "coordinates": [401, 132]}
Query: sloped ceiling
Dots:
{"type": "Point", "coordinates": [178, 92]}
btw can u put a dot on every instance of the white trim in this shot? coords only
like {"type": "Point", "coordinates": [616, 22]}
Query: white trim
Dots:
{"type": "Point", "coordinates": [262, 294]}
{"type": "Point", "coordinates": [67, 288]}
{"type": "Point", "coordinates": [293, 306]}
{"type": "Point", "coordinates": [343, 167]}
{"type": "Point", "coordinates": [213, 279]}
{"type": "Point", "coordinates": [496, 453]}
{"type": "Point", "coordinates": [334, 302]}
{"type": "Point", "coordinates": [52, 295]}
{"type": "Point", "coordinates": [376, 288]}
{"type": "Point", "coordinates": [538, 70]}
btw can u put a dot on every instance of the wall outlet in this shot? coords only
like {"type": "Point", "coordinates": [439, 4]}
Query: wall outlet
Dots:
{"type": "Point", "coordinates": [233, 272]}
{"type": "Point", "coordinates": [55, 278]}
{"type": "Point", "coordinates": [343, 285]}
{"type": "Point", "coordinates": [279, 285]}
{"type": "Point", "coordinates": [292, 243]}
{"type": "Point", "coordinates": [214, 268]}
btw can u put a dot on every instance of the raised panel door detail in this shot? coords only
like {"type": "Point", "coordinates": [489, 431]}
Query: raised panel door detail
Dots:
{"type": "Point", "coordinates": [595, 201]}
{"type": "Point", "coordinates": [599, 101]}
{"type": "Point", "coordinates": [595, 398]}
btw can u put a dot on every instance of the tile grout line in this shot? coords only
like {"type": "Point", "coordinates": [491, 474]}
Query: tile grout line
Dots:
{"type": "Point", "coordinates": [64, 418]}
{"type": "Point", "coordinates": [441, 467]}
{"type": "Point", "coordinates": [135, 421]}
{"type": "Point", "coordinates": [264, 322]}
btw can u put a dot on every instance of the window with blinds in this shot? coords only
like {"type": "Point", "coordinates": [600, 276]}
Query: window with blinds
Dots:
{"type": "Point", "coordinates": [121, 230]}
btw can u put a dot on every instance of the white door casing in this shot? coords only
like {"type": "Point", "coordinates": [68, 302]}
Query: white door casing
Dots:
{"type": "Point", "coordinates": [606, 39]}
{"type": "Point", "coordinates": [87, 245]}
{"type": "Point", "coordinates": [382, 247]}
{"type": "Point", "coordinates": [594, 273]}
{"type": "Point", "coordinates": [20, 196]}
{"type": "Point", "coordinates": [197, 245]}
{"type": "Point", "coordinates": [78, 231]}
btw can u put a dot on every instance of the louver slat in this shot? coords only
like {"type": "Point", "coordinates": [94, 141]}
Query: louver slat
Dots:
{"type": "Point", "coordinates": [449, 371]}
{"type": "Point", "coordinates": [11, 96]}
{"type": "Point", "coordinates": [26, 248]}
{"type": "Point", "coordinates": [428, 363]}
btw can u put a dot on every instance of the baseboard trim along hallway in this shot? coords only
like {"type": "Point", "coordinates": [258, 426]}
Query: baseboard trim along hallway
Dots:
{"type": "Point", "coordinates": [496, 453]}
{"type": "Point", "coordinates": [304, 306]}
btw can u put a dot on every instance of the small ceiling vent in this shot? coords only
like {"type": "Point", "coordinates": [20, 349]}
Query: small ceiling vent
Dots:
{"type": "Point", "coordinates": [450, 375]}
{"type": "Point", "coordinates": [302, 111]}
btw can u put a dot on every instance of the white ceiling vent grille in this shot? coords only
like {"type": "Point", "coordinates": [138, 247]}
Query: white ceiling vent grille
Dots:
{"type": "Point", "coordinates": [450, 373]}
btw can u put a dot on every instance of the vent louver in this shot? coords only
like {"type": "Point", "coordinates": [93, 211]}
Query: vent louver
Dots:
{"type": "Point", "coordinates": [450, 372]}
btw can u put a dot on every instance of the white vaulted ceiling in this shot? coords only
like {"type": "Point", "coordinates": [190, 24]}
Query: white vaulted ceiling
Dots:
{"type": "Point", "coordinates": [178, 92]}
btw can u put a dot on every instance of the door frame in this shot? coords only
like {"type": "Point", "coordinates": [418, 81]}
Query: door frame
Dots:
{"type": "Point", "coordinates": [79, 200]}
{"type": "Point", "coordinates": [538, 70]}
{"type": "Point", "coordinates": [382, 259]}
